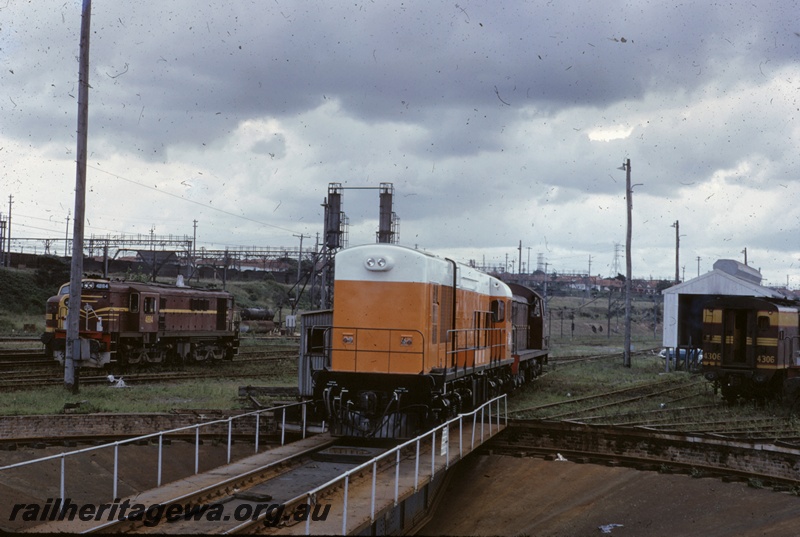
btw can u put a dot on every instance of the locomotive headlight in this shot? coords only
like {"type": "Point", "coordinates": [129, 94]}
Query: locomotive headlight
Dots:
{"type": "Point", "coordinates": [379, 263]}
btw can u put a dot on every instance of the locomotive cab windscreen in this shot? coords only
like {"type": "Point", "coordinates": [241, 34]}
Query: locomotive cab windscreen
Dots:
{"type": "Point", "coordinates": [498, 311]}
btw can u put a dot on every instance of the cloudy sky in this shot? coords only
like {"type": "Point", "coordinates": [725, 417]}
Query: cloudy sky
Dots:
{"type": "Point", "coordinates": [496, 122]}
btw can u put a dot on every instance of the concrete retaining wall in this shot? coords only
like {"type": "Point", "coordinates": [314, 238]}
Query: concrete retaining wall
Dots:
{"type": "Point", "coordinates": [56, 426]}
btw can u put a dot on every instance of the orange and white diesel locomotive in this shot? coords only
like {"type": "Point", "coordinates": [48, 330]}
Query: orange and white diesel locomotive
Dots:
{"type": "Point", "coordinates": [415, 339]}
{"type": "Point", "coordinates": [132, 323]}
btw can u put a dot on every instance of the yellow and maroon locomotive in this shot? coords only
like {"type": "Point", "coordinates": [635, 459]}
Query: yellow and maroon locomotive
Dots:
{"type": "Point", "coordinates": [750, 347]}
{"type": "Point", "coordinates": [132, 323]}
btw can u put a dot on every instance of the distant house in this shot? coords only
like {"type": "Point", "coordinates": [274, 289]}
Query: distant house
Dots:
{"type": "Point", "coordinates": [683, 303]}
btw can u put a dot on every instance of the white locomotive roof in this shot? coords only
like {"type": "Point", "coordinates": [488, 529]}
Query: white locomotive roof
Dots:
{"type": "Point", "coordinates": [393, 263]}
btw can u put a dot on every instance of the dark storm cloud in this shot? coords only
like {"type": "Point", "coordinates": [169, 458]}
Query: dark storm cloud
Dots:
{"type": "Point", "coordinates": [188, 71]}
{"type": "Point", "coordinates": [478, 112]}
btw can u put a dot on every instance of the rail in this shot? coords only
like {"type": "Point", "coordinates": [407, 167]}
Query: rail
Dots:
{"type": "Point", "coordinates": [160, 436]}
{"type": "Point", "coordinates": [445, 450]}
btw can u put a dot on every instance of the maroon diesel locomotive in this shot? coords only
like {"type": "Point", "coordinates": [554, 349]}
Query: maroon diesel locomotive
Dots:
{"type": "Point", "coordinates": [132, 323]}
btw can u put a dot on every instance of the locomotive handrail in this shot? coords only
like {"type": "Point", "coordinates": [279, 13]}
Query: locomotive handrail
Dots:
{"type": "Point", "coordinates": [495, 339]}
{"type": "Point", "coordinates": [444, 451]}
{"type": "Point", "coordinates": [160, 435]}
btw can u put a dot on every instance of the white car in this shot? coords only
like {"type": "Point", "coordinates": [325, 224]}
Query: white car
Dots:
{"type": "Point", "coordinates": [698, 353]}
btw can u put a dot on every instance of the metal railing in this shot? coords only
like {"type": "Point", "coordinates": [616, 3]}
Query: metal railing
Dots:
{"type": "Point", "coordinates": [160, 435]}
{"type": "Point", "coordinates": [493, 423]}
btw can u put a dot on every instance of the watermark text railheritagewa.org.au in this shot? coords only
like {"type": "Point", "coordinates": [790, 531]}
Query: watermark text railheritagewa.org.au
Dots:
{"type": "Point", "coordinates": [56, 509]}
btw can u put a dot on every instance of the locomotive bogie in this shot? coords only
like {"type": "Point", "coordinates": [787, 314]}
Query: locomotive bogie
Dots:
{"type": "Point", "coordinates": [136, 323]}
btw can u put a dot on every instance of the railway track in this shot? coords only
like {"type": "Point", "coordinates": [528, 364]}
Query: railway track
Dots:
{"type": "Point", "coordinates": [673, 403]}
{"type": "Point", "coordinates": [21, 354]}
{"type": "Point", "coordinates": [33, 379]}
{"type": "Point", "coordinates": [567, 360]}
{"type": "Point", "coordinates": [39, 359]}
{"type": "Point", "coordinates": [23, 372]}
{"type": "Point", "coordinates": [244, 483]}
{"type": "Point", "coordinates": [679, 404]}
{"type": "Point", "coordinates": [12, 355]}
{"type": "Point", "coordinates": [249, 495]}
{"type": "Point", "coordinates": [359, 483]}
{"type": "Point", "coordinates": [611, 400]}
{"type": "Point", "coordinates": [699, 455]}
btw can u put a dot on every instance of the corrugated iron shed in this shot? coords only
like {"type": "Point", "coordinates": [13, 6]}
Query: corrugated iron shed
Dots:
{"type": "Point", "coordinates": [683, 303]}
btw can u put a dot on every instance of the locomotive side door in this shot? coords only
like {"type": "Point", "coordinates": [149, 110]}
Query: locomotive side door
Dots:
{"type": "Point", "coordinates": [223, 307]}
{"type": "Point", "coordinates": [148, 312]}
{"type": "Point", "coordinates": [738, 338]}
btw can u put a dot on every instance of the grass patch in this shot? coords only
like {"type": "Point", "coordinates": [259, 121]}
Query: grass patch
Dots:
{"type": "Point", "coordinates": [581, 379]}
{"type": "Point", "coordinates": [221, 393]}
{"type": "Point", "coordinates": [202, 394]}
{"type": "Point", "coordinates": [217, 394]}
{"type": "Point", "coordinates": [595, 345]}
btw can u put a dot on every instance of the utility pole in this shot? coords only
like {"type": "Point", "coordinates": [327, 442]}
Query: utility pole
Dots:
{"type": "Point", "coordinates": [66, 235]}
{"type": "Point", "coordinates": [8, 232]}
{"type": "Point", "coordinates": [194, 252]}
{"type": "Point", "coordinates": [519, 268]}
{"type": "Point", "coordinates": [73, 343]}
{"type": "Point", "coordinates": [547, 301]}
{"type": "Point", "coordinates": [2, 241]}
{"type": "Point", "coordinates": [626, 356]}
{"type": "Point", "coordinates": [626, 353]}
{"type": "Point", "coordinates": [676, 225]}
{"type": "Point", "coordinates": [9, 237]}
{"type": "Point", "coordinates": [297, 283]}
{"type": "Point", "coordinates": [190, 254]}
{"type": "Point", "coordinates": [698, 266]}
{"type": "Point", "coordinates": [529, 260]}
{"type": "Point", "coordinates": [153, 250]}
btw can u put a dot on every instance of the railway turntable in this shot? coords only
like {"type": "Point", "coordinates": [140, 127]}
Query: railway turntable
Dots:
{"type": "Point", "coordinates": [316, 485]}
{"type": "Point", "coordinates": [207, 487]}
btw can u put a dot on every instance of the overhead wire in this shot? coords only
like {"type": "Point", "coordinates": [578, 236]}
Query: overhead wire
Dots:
{"type": "Point", "coordinates": [223, 211]}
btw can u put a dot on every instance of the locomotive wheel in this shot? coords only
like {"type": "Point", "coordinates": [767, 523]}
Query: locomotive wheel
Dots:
{"type": "Point", "coordinates": [790, 398]}
{"type": "Point", "coordinates": [729, 394]}
{"type": "Point", "coordinates": [794, 406]}
{"type": "Point", "coordinates": [172, 357]}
